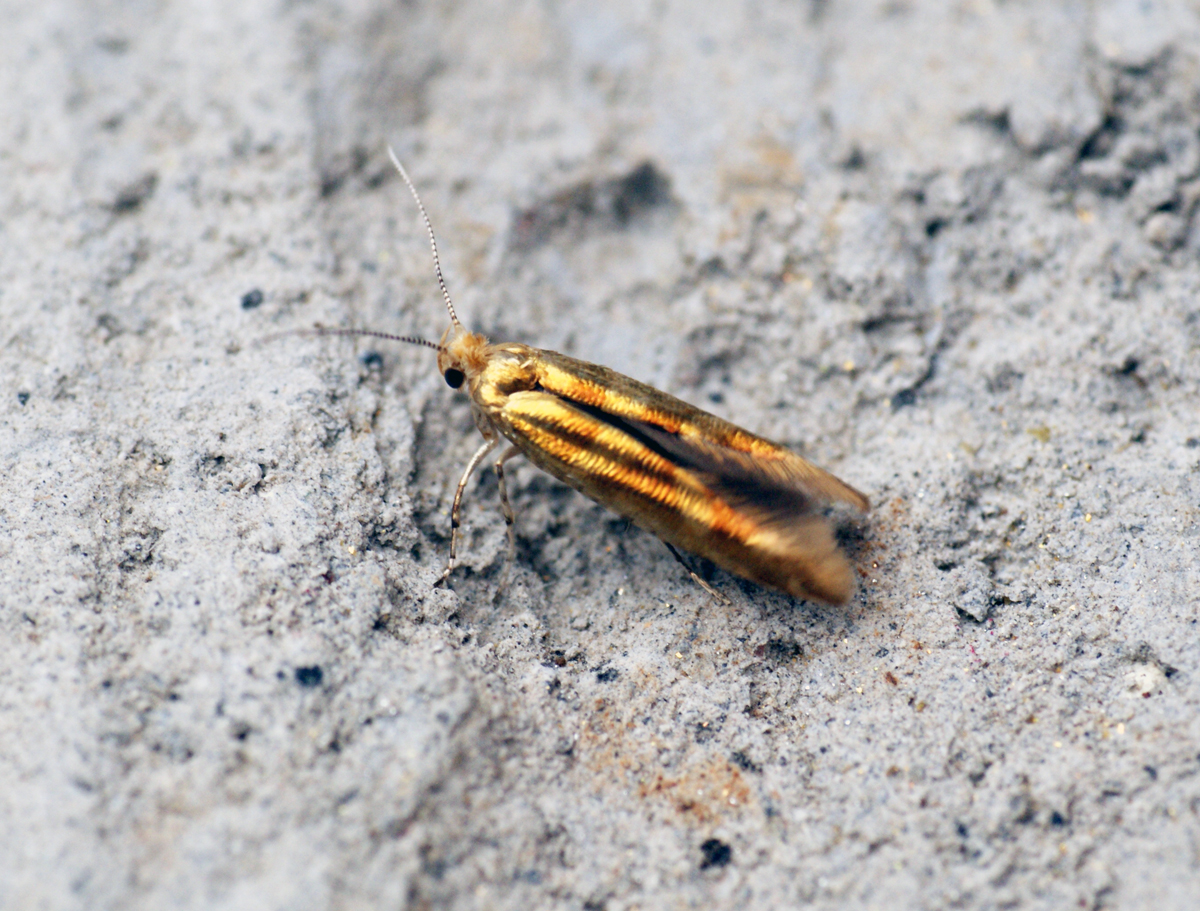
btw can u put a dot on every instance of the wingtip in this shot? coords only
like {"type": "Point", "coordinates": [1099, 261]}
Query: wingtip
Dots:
{"type": "Point", "coordinates": [832, 583]}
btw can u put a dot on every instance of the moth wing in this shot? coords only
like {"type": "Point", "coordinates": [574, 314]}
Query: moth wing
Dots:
{"type": "Point", "coordinates": [688, 431]}
{"type": "Point", "coordinates": [697, 481]}
{"type": "Point", "coordinates": [776, 481]}
{"type": "Point", "coordinates": [783, 499]}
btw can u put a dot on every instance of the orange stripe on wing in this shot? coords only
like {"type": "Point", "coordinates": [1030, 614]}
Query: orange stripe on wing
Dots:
{"type": "Point", "coordinates": [588, 447]}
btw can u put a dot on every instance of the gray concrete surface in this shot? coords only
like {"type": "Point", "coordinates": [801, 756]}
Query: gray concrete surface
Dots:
{"type": "Point", "coordinates": [948, 250]}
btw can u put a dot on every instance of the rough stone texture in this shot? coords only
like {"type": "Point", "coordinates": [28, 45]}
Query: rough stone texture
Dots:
{"type": "Point", "coordinates": [949, 250]}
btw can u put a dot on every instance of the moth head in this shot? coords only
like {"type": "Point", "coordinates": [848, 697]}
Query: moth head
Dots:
{"type": "Point", "coordinates": [462, 355]}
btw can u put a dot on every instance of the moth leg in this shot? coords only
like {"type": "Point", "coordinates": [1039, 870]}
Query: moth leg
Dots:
{"type": "Point", "coordinates": [505, 505]}
{"type": "Point", "coordinates": [691, 572]}
{"type": "Point", "coordinates": [509, 517]}
{"type": "Point", "coordinates": [455, 511]}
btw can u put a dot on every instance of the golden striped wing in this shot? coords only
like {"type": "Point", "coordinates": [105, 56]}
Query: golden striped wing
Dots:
{"type": "Point", "coordinates": [696, 481]}
{"type": "Point", "coordinates": [611, 393]}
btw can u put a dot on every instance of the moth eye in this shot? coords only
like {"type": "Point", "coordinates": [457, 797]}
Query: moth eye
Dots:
{"type": "Point", "coordinates": [454, 377]}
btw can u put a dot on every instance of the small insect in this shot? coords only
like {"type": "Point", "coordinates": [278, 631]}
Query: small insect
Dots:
{"type": "Point", "coordinates": [701, 484]}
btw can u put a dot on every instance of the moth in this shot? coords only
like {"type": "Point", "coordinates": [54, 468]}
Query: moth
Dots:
{"type": "Point", "coordinates": [699, 483]}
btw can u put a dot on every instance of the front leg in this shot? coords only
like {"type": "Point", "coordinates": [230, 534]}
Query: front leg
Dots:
{"type": "Point", "coordinates": [480, 454]}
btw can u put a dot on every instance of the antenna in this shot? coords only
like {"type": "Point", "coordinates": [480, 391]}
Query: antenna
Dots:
{"type": "Point", "coordinates": [350, 333]}
{"type": "Point", "coordinates": [437, 265]}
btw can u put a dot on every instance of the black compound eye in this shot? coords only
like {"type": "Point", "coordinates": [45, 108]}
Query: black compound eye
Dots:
{"type": "Point", "coordinates": [454, 377]}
